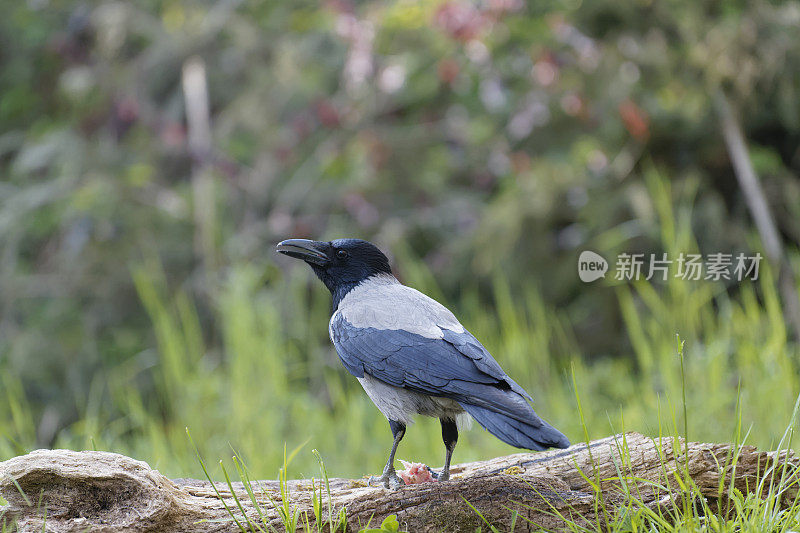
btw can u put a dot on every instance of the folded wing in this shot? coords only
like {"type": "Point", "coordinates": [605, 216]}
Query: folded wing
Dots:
{"type": "Point", "coordinates": [454, 365]}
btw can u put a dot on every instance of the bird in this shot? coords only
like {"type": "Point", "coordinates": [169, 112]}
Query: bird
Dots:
{"type": "Point", "coordinates": [412, 356]}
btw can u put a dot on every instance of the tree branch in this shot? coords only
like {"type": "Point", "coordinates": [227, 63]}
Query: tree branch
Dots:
{"type": "Point", "coordinates": [759, 209]}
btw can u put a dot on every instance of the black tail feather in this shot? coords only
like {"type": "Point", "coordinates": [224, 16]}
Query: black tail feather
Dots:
{"type": "Point", "coordinates": [532, 434]}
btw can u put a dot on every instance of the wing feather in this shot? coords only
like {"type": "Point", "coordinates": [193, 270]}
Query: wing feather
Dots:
{"type": "Point", "coordinates": [450, 366]}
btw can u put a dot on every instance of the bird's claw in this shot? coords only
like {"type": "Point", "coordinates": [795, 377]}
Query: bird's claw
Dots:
{"type": "Point", "coordinates": [439, 476]}
{"type": "Point", "coordinates": [390, 480]}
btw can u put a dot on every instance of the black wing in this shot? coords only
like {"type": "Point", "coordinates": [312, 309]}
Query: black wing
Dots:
{"type": "Point", "coordinates": [448, 367]}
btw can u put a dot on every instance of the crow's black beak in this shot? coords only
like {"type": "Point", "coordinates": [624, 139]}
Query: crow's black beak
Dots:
{"type": "Point", "coordinates": [309, 251]}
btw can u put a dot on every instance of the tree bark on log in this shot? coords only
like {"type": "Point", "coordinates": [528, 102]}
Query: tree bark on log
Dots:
{"type": "Point", "coordinates": [66, 491]}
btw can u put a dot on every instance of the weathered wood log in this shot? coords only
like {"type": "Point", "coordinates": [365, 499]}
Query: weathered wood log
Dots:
{"type": "Point", "coordinates": [67, 491]}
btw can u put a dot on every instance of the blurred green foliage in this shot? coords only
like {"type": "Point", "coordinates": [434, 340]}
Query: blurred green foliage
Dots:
{"type": "Point", "coordinates": [483, 144]}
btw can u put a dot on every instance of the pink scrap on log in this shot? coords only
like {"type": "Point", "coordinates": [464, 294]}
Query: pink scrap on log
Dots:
{"type": "Point", "coordinates": [414, 473]}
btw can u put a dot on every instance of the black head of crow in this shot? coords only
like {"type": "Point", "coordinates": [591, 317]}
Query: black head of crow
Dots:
{"type": "Point", "coordinates": [412, 356]}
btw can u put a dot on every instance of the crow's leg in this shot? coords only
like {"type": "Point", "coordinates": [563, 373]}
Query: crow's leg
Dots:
{"type": "Point", "coordinates": [450, 437]}
{"type": "Point", "coordinates": [390, 478]}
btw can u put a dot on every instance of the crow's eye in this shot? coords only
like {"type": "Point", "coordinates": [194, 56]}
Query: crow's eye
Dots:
{"type": "Point", "coordinates": [342, 254]}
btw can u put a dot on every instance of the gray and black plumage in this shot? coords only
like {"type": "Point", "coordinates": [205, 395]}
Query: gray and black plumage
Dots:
{"type": "Point", "coordinates": [412, 355]}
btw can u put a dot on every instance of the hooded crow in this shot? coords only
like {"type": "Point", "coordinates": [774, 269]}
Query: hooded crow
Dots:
{"type": "Point", "coordinates": [412, 355]}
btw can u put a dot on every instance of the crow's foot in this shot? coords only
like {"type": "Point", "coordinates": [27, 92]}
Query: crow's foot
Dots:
{"type": "Point", "coordinates": [439, 476]}
{"type": "Point", "coordinates": [390, 480]}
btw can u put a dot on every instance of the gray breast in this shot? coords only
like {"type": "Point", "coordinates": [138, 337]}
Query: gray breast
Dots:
{"type": "Point", "coordinates": [401, 404]}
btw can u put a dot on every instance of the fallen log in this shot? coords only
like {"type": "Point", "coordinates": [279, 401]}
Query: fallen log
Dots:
{"type": "Point", "coordinates": [66, 491]}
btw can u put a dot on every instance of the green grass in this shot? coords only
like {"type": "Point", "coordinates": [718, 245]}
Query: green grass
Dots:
{"type": "Point", "coordinates": [5, 524]}
{"type": "Point", "coordinates": [324, 515]}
